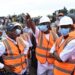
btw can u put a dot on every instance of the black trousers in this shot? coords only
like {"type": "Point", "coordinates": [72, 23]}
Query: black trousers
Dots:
{"type": "Point", "coordinates": [3, 73]}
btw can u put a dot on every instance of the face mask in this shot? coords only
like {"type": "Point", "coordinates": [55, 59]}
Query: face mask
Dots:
{"type": "Point", "coordinates": [43, 28]}
{"type": "Point", "coordinates": [18, 31]}
{"type": "Point", "coordinates": [64, 31]}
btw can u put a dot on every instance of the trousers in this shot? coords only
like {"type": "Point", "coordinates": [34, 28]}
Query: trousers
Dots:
{"type": "Point", "coordinates": [2, 73]}
{"type": "Point", "coordinates": [45, 69]}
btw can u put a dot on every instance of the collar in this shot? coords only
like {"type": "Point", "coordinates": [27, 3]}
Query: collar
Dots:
{"type": "Point", "coordinates": [12, 40]}
{"type": "Point", "coordinates": [72, 34]}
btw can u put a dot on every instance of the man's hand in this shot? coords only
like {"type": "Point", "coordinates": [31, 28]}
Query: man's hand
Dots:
{"type": "Point", "coordinates": [28, 20]}
{"type": "Point", "coordinates": [56, 56]}
{"type": "Point", "coordinates": [1, 65]}
{"type": "Point", "coordinates": [30, 23]}
{"type": "Point", "coordinates": [6, 68]}
{"type": "Point", "coordinates": [28, 16]}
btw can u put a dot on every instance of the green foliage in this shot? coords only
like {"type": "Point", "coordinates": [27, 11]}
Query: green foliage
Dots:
{"type": "Point", "coordinates": [72, 11]}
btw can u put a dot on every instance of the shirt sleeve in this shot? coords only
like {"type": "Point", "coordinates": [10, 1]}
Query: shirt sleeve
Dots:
{"type": "Point", "coordinates": [26, 49]}
{"type": "Point", "coordinates": [68, 51]}
{"type": "Point", "coordinates": [29, 41]}
{"type": "Point", "coordinates": [52, 49]}
{"type": "Point", "coordinates": [1, 65]}
{"type": "Point", "coordinates": [37, 33]}
{"type": "Point", "coordinates": [2, 48]}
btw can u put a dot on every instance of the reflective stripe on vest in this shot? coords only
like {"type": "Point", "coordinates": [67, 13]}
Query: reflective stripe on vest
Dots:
{"type": "Point", "coordinates": [48, 49]}
{"type": "Point", "coordinates": [41, 39]}
{"type": "Point", "coordinates": [21, 42]}
{"type": "Point", "coordinates": [12, 57]}
{"type": "Point", "coordinates": [62, 70]}
{"type": "Point", "coordinates": [8, 46]}
{"type": "Point", "coordinates": [54, 36]}
{"type": "Point", "coordinates": [43, 55]}
{"type": "Point", "coordinates": [15, 65]}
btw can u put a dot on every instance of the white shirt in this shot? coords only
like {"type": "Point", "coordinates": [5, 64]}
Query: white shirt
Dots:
{"type": "Point", "coordinates": [67, 52]}
{"type": "Point", "coordinates": [28, 30]}
{"type": "Point", "coordinates": [29, 41]}
{"type": "Point", "coordinates": [2, 48]}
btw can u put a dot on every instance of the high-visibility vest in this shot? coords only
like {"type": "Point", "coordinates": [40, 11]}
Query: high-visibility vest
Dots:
{"type": "Point", "coordinates": [25, 36]}
{"type": "Point", "coordinates": [14, 57]}
{"type": "Point", "coordinates": [43, 48]}
{"type": "Point", "coordinates": [64, 68]}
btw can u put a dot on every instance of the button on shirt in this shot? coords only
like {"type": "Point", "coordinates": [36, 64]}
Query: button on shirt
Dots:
{"type": "Point", "coordinates": [68, 52]}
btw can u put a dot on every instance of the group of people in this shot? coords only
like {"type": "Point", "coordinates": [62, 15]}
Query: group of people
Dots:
{"type": "Point", "coordinates": [53, 46]}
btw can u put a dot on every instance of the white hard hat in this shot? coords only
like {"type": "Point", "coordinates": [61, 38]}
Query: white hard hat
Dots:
{"type": "Point", "coordinates": [17, 24]}
{"type": "Point", "coordinates": [44, 19]}
{"type": "Point", "coordinates": [65, 21]}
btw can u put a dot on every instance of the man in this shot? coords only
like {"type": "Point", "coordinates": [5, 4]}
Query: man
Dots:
{"type": "Point", "coordinates": [2, 32]}
{"type": "Point", "coordinates": [64, 48]}
{"type": "Point", "coordinates": [45, 41]}
{"type": "Point", "coordinates": [73, 18]}
{"type": "Point", "coordinates": [55, 24]}
{"type": "Point", "coordinates": [13, 51]}
{"type": "Point", "coordinates": [32, 62]}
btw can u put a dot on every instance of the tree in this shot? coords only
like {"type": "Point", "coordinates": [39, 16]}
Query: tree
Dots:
{"type": "Point", "coordinates": [64, 11]}
{"type": "Point", "coordinates": [72, 11]}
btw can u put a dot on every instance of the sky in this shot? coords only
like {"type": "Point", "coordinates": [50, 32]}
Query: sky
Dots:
{"type": "Point", "coordinates": [33, 7]}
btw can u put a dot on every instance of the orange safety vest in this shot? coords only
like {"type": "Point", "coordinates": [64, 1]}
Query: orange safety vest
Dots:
{"type": "Point", "coordinates": [26, 37]}
{"type": "Point", "coordinates": [14, 57]}
{"type": "Point", "coordinates": [64, 68]}
{"type": "Point", "coordinates": [43, 48]}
